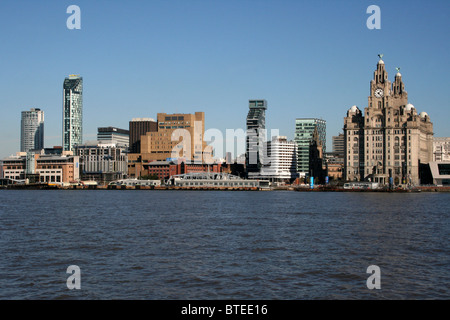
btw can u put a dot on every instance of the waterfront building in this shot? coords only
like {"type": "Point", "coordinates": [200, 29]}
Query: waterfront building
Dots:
{"type": "Point", "coordinates": [441, 149]}
{"type": "Point", "coordinates": [178, 136]}
{"type": "Point", "coordinates": [391, 142]}
{"type": "Point", "coordinates": [215, 180]}
{"type": "Point", "coordinates": [139, 127]}
{"type": "Point", "coordinates": [114, 135]}
{"type": "Point", "coordinates": [72, 112]}
{"type": "Point", "coordinates": [101, 161]}
{"type": "Point", "coordinates": [279, 162]}
{"type": "Point", "coordinates": [165, 169]}
{"type": "Point", "coordinates": [62, 169]}
{"type": "Point", "coordinates": [13, 167]}
{"type": "Point", "coordinates": [440, 172]}
{"type": "Point", "coordinates": [21, 166]}
{"type": "Point", "coordinates": [32, 130]}
{"type": "Point", "coordinates": [304, 131]}
{"type": "Point", "coordinates": [47, 167]}
{"type": "Point", "coordinates": [256, 133]}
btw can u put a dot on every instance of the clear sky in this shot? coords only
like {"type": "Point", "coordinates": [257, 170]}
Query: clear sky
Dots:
{"type": "Point", "coordinates": [138, 58]}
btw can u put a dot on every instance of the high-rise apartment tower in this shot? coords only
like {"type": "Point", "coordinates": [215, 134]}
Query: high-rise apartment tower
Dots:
{"type": "Point", "coordinates": [32, 130]}
{"type": "Point", "coordinates": [72, 112]}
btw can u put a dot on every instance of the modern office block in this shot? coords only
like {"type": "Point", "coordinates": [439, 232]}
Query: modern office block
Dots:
{"type": "Point", "coordinates": [102, 161]}
{"type": "Point", "coordinates": [139, 127]}
{"type": "Point", "coordinates": [304, 132]}
{"type": "Point", "coordinates": [280, 160]}
{"type": "Point", "coordinates": [114, 135]}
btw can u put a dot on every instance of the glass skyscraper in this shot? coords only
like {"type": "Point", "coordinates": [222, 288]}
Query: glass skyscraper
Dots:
{"type": "Point", "coordinates": [256, 125]}
{"type": "Point", "coordinates": [32, 130]}
{"type": "Point", "coordinates": [304, 130]}
{"type": "Point", "coordinates": [72, 112]}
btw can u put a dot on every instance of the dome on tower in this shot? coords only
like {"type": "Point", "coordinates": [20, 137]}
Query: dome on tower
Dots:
{"type": "Point", "coordinates": [381, 57]}
{"type": "Point", "coordinates": [409, 106]}
{"type": "Point", "coordinates": [423, 114]}
{"type": "Point", "coordinates": [353, 109]}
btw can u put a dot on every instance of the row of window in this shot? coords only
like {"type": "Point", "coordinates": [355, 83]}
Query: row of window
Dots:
{"type": "Point", "coordinates": [50, 178]}
{"type": "Point", "coordinates": [230, 184]}
{"type": "Point", "coordinates": [173, 118]}
{"type": "Point", "coordinates": [379, 156]}
{"type": "Point", "coordinates": [396, 131]}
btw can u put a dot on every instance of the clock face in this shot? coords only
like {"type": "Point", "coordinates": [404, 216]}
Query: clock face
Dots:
{"type": "Point", "coordinates": [379, 93]}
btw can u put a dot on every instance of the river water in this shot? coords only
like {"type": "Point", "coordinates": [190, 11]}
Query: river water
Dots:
{"type": "Point", "coordinates": [201, 245]}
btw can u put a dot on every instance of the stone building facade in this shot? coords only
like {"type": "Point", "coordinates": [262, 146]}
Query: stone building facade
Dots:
{"type": "Point", "coordinates": [441, 149]}
{"type": "Point", "coordinates": [390, 142]}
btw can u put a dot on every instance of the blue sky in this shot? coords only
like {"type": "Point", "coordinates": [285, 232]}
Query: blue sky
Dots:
{"type": "Point", "coordinates": [138, 58]}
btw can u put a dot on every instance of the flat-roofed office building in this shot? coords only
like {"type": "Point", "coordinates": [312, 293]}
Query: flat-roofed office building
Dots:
{"type": "Point", "coordinates": [139, 127]}
{"type": "Point", "coordinates": [49, 168]}
{"type": "Point", "coordinates": [102, 161]}
{"type": "Point", "coordinates": [304, 132]}
{"type": "Point", "coordinates": [338, 145]}
{"type": "Point", "coordinates": [279, 161]}
{"type": "Point", "coordinates": [114, 135]}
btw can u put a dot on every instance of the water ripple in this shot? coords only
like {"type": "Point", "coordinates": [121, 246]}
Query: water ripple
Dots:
{"type": "Point", "coordinates": [223, 245]}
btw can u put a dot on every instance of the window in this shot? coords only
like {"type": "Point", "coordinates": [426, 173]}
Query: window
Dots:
{"type": "Point", "coordinates": [444, 169]}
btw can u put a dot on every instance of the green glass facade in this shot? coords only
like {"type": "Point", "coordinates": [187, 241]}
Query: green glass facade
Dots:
{"type": "Point", "coordinates": [304, 130]}
{"type": "Point", "coordinates": [72, 112]}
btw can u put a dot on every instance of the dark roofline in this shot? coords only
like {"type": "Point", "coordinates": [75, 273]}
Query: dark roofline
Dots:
{"type": "Point", "coordinates": [113, 130]}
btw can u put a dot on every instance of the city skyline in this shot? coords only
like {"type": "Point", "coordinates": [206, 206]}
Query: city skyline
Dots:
{"type": "Point", "coordinates": [139, 59]}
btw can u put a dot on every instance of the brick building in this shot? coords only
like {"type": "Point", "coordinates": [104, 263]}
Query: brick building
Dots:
{"type": "Point", "coordinates": [177, 136]}
{"type": "Point", "coordinates": [166, 169]}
